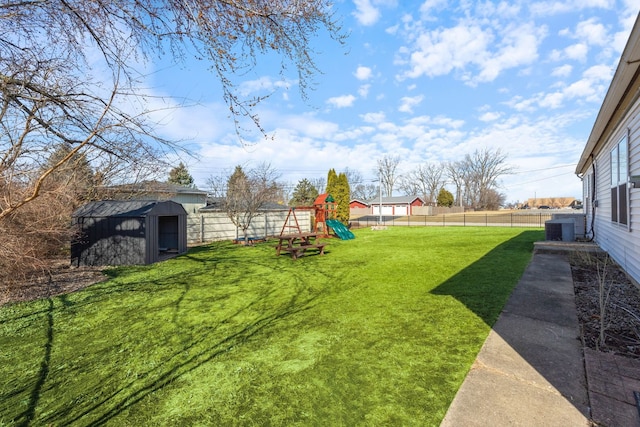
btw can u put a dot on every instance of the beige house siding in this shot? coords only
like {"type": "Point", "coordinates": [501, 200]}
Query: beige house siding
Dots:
{"type": "Point", "coordinates": [619, 115]}
{"type": "Point", "coordinates": [190, 202]}
{"type": "Point", "coordinates": [620, 241]}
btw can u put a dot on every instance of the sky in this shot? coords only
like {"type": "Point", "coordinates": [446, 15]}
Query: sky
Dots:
{"type": "Point", "coordinates": [428, 82]}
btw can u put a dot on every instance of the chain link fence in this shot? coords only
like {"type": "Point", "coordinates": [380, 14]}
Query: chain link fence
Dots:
{"type": "Point", "coordinates": [475, 219]}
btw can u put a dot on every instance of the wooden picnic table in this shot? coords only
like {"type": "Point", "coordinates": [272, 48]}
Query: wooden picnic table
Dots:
{"type": "Point", "coordinates": [296, 244]}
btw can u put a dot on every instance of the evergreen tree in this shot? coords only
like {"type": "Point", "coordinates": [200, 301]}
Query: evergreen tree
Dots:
{"type": "Point", "coordinates": [342, 195]}
{"type": "Point", "coordinates": [445, 198]}
{"type": "Point", "coordinates": [332, 179]}
{"type": "Point", "coordinates": [237, 184]}
{"type": "Point", "coordinates": [304, 194]}
{"type": "Point", "coordinates": [181, 176]}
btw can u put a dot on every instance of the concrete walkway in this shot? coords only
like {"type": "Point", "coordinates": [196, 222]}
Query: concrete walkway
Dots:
{"type": "Point", "coordinates": [532, 370]}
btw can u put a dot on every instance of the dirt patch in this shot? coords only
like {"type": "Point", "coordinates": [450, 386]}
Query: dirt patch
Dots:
{"type": "Point", "coordinates": [620, 319]}
{"type": "Point", "coordinates": [61, 278]}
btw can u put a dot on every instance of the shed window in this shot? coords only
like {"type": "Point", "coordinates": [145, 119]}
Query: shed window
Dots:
{"type": "Point", "coordinates": [619, 177]}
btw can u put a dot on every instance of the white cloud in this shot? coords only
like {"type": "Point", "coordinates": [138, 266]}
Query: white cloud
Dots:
{"type": "Point", "coordinates": [555, 55]}
{"type": "Point", "coordinates": [519, 46]}
{"type": "Point", "coordinates": [627, 19]}
{"type": "Point", "coordinates": [548, 8]}
{"type": "Point", "coordinates": [190, 123]}
{"type": "Point", "coordinates": [375, 118]}
{"type": "Point", "coordinates": [592, 32]}
{"type": "Point", "coordinates": [562, 71]}
{"type": "Point", "coordinates": [304, 124]}
{"type": "Point", "coordinates": [590, 88]}
{"type": "Point", "coordinates": [552, 100]}
{"type": "Point", "coordinates": [342, 101]}
{"type": "Point", "coordinates": [408, 102]}
{"type": "Point", "coordinates": [430, 5]}
{"type": "Point", "coordinates": [577, 52]}
{"type": "Point", "coordinates": [468, 46]}
{"type": "Point", "coordinates": [262, 85]}
{"type": "Point", "coordinates": [489, 116]}
{"type": "Point", "coordinates": [363, 73]}
{"type": "Point", "coordinates": [602, 73]}
{"type": "Point", "coordinates": [441, 51]}
{"type": "Point", "coordinates": [592, 85]}
{"type": "Point", "coordinates": [366, 13]}
{"type": "Point", "coordinates": [363, 90]}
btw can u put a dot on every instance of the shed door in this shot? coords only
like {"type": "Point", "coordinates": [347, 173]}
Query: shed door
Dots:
{"type": "Point", "coordinates": [168, 233]}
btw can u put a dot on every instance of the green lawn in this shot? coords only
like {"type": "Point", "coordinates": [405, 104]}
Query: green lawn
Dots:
{"type": "Point", "coordinates": [380, 331]}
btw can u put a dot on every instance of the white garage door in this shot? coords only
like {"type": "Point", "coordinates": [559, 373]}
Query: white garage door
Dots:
{"type": "Point", "coordinates": [401, 210]}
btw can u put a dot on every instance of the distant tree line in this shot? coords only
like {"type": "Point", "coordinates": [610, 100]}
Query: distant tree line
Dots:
{"type": "Point", "coordinates": [475, 179]}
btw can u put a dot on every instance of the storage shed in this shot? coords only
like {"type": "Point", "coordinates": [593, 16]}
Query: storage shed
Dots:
{"type": "Point", "coordinates": [112, 232]}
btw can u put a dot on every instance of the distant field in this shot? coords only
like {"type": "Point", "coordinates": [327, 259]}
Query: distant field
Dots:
{"type": "Point", "coordinates": [380, 331]}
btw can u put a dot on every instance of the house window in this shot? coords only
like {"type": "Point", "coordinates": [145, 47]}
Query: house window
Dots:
{"type": "Point", "coordinates": [619, 175]}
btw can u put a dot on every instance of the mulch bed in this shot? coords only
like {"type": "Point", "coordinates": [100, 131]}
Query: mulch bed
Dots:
{"type": "Point", "coordinates": [622, 313]}
{"type": "Point", "coordinates": [61, 278]}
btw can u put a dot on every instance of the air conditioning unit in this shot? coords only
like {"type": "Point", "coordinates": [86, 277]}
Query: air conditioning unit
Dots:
{"type": "Point", "coordinates": [560, 230]}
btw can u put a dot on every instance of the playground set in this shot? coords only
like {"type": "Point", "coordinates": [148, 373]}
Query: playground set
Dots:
{"type": "Point", "coordinates": [294, 241]}
{"type": "Point", "coordinates": [324, 208]}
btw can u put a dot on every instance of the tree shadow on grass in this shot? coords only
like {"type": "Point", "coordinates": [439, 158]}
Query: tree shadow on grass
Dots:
{"type": "Point", "coordinates": [43, 372]}
{"type": "Point", "coordinates": [203, 350]}
{"type": "Point", "coordinates": [203, 342]}
{"type": "Point", "coordinates": [539, 322]}
{"type": "Point", "coordinates": [484, 286]}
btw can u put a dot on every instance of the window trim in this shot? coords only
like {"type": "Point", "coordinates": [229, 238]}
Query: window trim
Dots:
{"type": "Point", "coordinates": [619, 181]}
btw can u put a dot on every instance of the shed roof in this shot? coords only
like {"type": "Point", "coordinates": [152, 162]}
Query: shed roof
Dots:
{"type": "Point", "coordinates": [129, 208]}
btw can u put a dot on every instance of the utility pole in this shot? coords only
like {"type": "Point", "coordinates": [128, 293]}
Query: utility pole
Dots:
{"type": "Point", "coordinates": [380, 207]}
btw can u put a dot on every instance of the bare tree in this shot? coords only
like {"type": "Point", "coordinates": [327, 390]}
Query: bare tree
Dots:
{"type": "Point", "coordinates": [479, 174]}
{"type": "Point", "coordinates": [52, 91]}
{"type": "Point", "coordinates": [71, 75]}
{"type": "Point", "coordinates": [353, 176]}
{"type": "Point", "coordinates": [493, 199]}
{"type": "Point", "coordinates": [365, 191]}
{"type": "Point", "coordinates": [455, 174]}
{"type": "Point", "coordinates": [217, 184]}
{"type": "Point", "coordinates": [248, 193]}
{"type": "Point", "coordinates": [320, 183]}
{"type": "Point", "coordinates": [425, 181]}
{"type": "Point", "coordinates": [387, 167]}
{"type": "Point", "coordinates": [360, 189]}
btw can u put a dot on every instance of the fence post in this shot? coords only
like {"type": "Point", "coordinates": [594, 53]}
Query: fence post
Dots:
{"type": "Point", "coordinates": [266, 215]}
{"type": "Point", "coordinates": [201, 228]}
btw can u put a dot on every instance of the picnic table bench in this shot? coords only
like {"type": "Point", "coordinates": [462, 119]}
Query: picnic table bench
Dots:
{"type": "Point", "coordinates": [298, 244]}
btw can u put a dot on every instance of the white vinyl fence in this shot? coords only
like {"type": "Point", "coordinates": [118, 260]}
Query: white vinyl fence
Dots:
{"type": "Point", "coordinates": [211, 226]}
